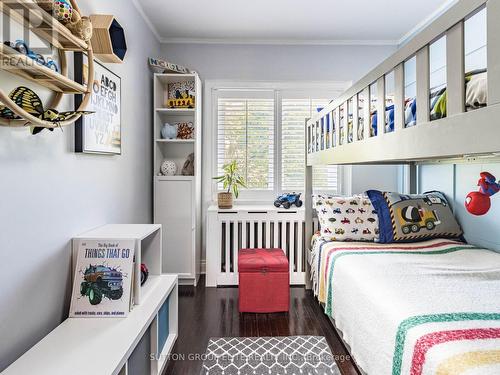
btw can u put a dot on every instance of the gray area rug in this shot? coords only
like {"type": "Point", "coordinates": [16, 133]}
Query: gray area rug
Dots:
{"type": "Point", "coordinates": [269, 356]}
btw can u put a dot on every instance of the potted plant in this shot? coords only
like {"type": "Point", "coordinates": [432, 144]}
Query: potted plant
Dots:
{"type": "Point", "coordinates": [231, 181]}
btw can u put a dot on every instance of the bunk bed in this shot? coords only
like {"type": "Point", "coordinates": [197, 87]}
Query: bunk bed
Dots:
{"type": "Point", "coordinates": [410, 308]}
{"type": "Point", "coordinates": [462, 132]}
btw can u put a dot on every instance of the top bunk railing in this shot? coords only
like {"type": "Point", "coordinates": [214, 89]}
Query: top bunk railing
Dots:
{"type": "Point", "coordinates": [439, 97]}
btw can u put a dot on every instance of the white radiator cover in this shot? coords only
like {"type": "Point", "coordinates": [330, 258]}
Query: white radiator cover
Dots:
{"type": "Point", "coordinates": [228, 231]}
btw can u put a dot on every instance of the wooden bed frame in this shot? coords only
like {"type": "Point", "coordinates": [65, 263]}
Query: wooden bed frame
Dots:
{"type": "Point", "coordinates": [460, 136]}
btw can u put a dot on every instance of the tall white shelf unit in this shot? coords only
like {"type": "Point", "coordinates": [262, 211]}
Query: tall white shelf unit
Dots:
{"type": "Point", "coordinates": [177, 199]}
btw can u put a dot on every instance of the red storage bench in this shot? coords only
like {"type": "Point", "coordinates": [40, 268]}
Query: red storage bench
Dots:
{"type": "Point", "coordinates": [264, 284]}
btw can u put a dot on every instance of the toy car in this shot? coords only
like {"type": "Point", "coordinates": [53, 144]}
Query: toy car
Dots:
{"type": "Point", "coordinates": [434, 199]}
{"type": "Point", "coordinates": [346, 221]}
{"type": "Point", "coordinates": [367, 231]}
{"type": "Point", "coordinates": [337, 211]}
{"type": "Point", "coordinates": [339, 231]}
{"type": "Point", "coordinates": [21, 47]}
{"type": "Point", "coordinates": [286, 200]}
{"type": "Point", "coordinates": [349, 211]}
{"type": "Point", "coordinates": [353, 203]}
{"type": "Point", "coordinates": [99, 281]}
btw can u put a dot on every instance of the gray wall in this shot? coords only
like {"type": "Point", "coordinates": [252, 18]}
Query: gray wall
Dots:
{"type": "Point", "coordinates": [456, 181]}
{"type": "Point", "coordinates": [285, 63]}
{"type": "Point", "coordinates": [50, 194]}
{"type": "Point", "coordinates": [277, 62]}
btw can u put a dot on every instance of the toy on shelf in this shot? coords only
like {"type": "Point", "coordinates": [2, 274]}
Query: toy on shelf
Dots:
{"type": "Point", "coordinates": [185, 130]}
{"type": "Point", "coordinates": [65, 13]}
{"type": "Point", "coordinates": [23, 108]}
{"type": "Point", "coordinates": [479, 202]}
{"type": "Point", "coordinates": [81, 27]}
{"type": "Point", "coordinates": [21, 47]}
{"type": "Point", "coordinates": [144, 273]}
{"type": "Point", "coordinates": [169, 131]}
{"type": "Point", "coordinates": [181, 95]}
{"type": "Point", "coordinates": [286, 200]}
{"type": "Point", "coordinates": [29, 101]}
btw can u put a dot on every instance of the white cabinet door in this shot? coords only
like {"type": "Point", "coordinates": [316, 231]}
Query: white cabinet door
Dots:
{"type": "Point", "coordinates": [174, 210]}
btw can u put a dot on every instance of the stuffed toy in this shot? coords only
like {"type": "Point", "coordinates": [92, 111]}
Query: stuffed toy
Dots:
{"type": "Point", "coordinates": [63, 11]}
{"type": "Point", "coordinates": [479, 202]}
{"type": "Point", "coordinates": [188, 167]}
{"type": "Point", "coordinates": [81, 27]}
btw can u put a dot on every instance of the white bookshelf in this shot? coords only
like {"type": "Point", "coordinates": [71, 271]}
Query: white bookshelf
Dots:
{"type": "Point", "coordinates": [83, 346]}
{"type": "Point", "coordinates": [148, 249]}
{"type": "Point", "coordinates": [177, 199]}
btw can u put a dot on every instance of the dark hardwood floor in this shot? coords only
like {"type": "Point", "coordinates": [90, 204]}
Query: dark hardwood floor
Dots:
{"type": "Point", "coordinates": [213, 312]}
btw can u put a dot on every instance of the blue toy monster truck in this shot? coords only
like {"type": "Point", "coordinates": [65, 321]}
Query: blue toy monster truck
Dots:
{"type": "Point", "coordinates": [286, 200]}
{"type": "Point", "coordinates": [99, 281]}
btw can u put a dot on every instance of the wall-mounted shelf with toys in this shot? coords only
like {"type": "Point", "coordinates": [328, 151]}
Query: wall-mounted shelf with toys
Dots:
{"type": "Point", "coordinates": [177, 170]}
{"type": "Point", "coordinates": [61, 24]}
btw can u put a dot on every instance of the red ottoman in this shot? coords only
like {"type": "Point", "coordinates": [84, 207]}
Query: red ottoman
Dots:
{"type": "Point", "coordinates": [264, 284]}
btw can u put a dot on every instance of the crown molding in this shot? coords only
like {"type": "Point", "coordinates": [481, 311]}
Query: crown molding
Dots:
{"type": "Point", "coordinates": [319, 42]}
{"type": "Point", "coordinates": [146, 19]}
{"type": "Point", "coordinates": [309, 42]}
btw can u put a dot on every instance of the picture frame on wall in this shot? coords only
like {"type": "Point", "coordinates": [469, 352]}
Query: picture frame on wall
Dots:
{"type": "Point", "coordinates": [99, 133]}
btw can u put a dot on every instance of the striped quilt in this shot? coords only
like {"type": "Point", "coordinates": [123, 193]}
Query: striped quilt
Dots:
{"type": "Point", "coordinates": [427, 308]}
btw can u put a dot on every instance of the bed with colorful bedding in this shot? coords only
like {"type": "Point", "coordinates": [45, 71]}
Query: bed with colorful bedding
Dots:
{"type": "Point", "coordinates": [431, 307]}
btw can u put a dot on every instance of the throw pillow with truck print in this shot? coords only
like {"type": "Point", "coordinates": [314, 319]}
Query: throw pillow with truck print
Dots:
{"type": "Point", "coordinates": [411, 218]}
{"type": "Point", "coordinates": [346, 218]}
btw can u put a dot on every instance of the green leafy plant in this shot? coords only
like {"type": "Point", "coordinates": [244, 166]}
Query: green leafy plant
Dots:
{"type": "Point", "coordinates": [231, 179]}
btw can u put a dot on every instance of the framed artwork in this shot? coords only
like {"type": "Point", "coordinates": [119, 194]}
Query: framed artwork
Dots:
{"type": "Point", "coordinates": [99, 133]}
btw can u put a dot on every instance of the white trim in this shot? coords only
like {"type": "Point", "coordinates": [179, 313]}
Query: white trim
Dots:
{"type": "Point", "coordinates": [291, 42]}
{"type": "Point", "coordinates": [426, 21]}
{"type": "Point", "coordinates": [321, 89]}
{"type": "Point", "coordinates": [294, 42]}
{"type": "Point", "coordinates": [146, 19]}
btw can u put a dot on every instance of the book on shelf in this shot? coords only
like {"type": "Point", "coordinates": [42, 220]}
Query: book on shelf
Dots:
{"type": "Point", "coordinates": [103, 282]}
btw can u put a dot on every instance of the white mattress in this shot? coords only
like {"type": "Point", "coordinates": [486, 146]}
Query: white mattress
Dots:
{"type": "Point", "coordinates": [448, 294]}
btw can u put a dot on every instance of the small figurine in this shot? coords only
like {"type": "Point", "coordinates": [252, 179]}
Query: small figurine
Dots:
{"type": "Point", "coordinates": [286, 200]}
{"type": "Point", "coordinates": [188, 167]}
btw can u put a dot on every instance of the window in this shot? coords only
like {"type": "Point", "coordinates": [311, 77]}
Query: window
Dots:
{"type": "Point", "coordinates": [293, 115]}
{"type": "Point", "coordinates": [246, 134]}
{"type": "Point", "coordinates": [264, 131]}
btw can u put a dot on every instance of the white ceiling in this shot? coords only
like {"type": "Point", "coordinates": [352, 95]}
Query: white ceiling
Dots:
{"type": "Point", "coordinates": [288, 21]}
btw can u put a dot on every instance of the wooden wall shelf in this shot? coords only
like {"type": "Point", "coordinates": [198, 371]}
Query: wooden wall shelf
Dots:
{"type": "Point", "coordinates": [108, 39]}
{"type": "Point", "coordinates": [35, 19]}
{"type": "Point", "coordinates": [30, 14]}
{"type": "Point", "coordinates": [25, 67]}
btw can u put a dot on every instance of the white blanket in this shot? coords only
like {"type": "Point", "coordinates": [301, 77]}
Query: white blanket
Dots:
{"type": "Point", "coordinates": [426, 308]}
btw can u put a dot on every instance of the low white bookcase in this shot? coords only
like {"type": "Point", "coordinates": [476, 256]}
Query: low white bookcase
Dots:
{"type": "Point", "coordinates": [139, 344]}
{"type": "Point", "coordinates": [148, 249]}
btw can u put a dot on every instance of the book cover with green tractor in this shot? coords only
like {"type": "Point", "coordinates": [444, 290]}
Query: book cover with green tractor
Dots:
{"type": "Point", "coordinates": [103, 279]}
